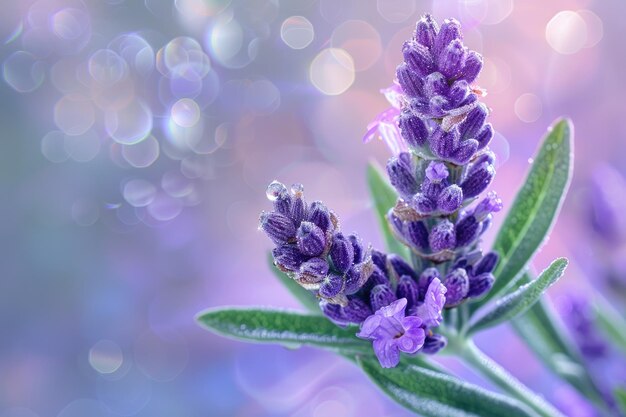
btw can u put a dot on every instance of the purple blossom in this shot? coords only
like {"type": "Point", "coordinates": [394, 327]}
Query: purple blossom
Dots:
{"type": "Point", "coordinates": [434, 301]}
{"type": "Point", "coordinates": [392, 332]}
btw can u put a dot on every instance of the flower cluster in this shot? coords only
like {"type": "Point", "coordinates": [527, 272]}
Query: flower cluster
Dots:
{"type": "Point", "coordinates": [311, 248]}
{"type": "Point", "coordinates": [438, 132]}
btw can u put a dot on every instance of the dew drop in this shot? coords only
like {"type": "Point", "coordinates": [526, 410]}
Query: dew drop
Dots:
{"type": "Point", "coordinates": [274, 190]}
{"type": "Point", "coordinates": [531, 160]}
{"type": "Point", "coordinates": [297, 189]}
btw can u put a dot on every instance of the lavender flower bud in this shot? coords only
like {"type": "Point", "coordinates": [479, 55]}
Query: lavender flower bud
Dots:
{"type": "Point", "coordinates": [442, 144]}
{"type": "Point", "coordinates": [334, 312]}
{"type": "Point", "coordinates": [288, 258]}
{"type": "Point", "coordinates": [450, 199]}
{"type": "Point", "coordinates": [465, 151]}
{"type": "Point", "coordinates": [442, 236]}
{"type": "Point", "coordinates": [278, 194]}
{"type": "Point", "coordinates": [486, 156]}
{"type": "Point", "coordinates": [402, 174]}
{"type": "Point", "coordinates": [320, 216]}
{"type": "Point", "coordinates": [341, 253]}
{"type": "Point", "coordinates": [480, 284]}
{"type": "Point", "coordinates": [277, 227]}
{"type": "Point", "coordinates": [298, 206]}
{"type": "Point", "coordinates": [437, 172]}
{"type": "Point", "coordinates": [379, 259]}
{"type": "Point", "coordinates": [357, 246]}
{"type": "Point", "coordinates": [413, 129]}
{"type": "Point", "coordinates": [490, 204]}
{"type": "Point", "coordinates": [331, 286]}
{"type": "Point", "coordinates": [314, 267]}
{"type": "Point", "coordinates": [418, 58]}
{"type": "Point", "coordinates": [426, 31]}
{"type": "Point", "coordinates": [410, 82]}
{"type": "Point", "coordinates": [434, 343]}
{"type": "Point", "coordinates": [459, 91]}
{"type": "Point", "coordinates": [426, 277]}
{"type": "Point", "coordinates": [457, 284]}
{"type": "Point", "coordinates": [484, 136]}
{"type": "Point", "coordinates": [381, 296]}
{"type": "Point", "coordinates": [478, 179]}
{"type": "Point", "coordinates": [467, 230]}
{"type": "Point", "coordinates": [407, 288]}
{"type": "Point", "coordinates": [416, 234]}
{"type": "Point", "coordinates": [452, 59]}
{"type": "Point", "coordinates": [473, 122]}
{"type": "Point", "coordinates": [358, 275]}
{"type": "Point", "coordinates": [400, 266]}
{"type": "Point", "coordinates": [487, 263]}
{"type": "Point", "coordinates": [376, 278]}
{"type": "Point", "coordinates": [423, 204]}
{"type": "Point", "coordinates": [436, 85]}
{"type": "Point", "coordinates": [311, 239]}
{"type": "Point", "coordinates": [450, 30]}
{"type": "Point", "coordinates": [357, 310]}
{"type": "Point", "coordinates": [472, 67]}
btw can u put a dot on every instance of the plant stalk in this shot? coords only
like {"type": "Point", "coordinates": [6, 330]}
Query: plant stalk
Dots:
{"type": "Point", "coordinates": [473, 356]}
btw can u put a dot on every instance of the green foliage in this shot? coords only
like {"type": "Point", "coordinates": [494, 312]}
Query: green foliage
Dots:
{"type": "Point", "coordinates": [518, 302]}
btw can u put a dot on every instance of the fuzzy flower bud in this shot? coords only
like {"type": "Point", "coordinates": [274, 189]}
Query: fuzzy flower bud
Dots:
{"type": "Point", "coordinates": [277, 227]}
{"type": "Point", "coordinates": [457, 284]}
{"type": "Point", "coordinates": [442, 236]}
{"type": "Point", "coordinates": [341, 253]}
{"type": "Point", "coordinates": [311, 239]}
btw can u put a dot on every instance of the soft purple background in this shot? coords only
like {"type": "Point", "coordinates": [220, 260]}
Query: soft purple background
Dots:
{"type": "Point", "coordinates": [98, 292]}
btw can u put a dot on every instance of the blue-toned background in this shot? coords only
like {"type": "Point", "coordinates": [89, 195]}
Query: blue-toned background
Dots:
{"type": "Point", "coordinates": [137, 139]}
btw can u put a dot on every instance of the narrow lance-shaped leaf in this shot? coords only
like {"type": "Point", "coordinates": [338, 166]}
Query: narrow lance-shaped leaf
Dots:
{"type": "Point", "coordinates": [384, 197]}
{"type": "Point", "coordinates": [432, 394]}
{"type": "Point", "coordinates": [620, 397]}
{"type": "Point", "coordinates": [519, 301]}
{"type": "Point", "coordinates": [283, 327]}
{"type": "Point", "coordinates": [306, 298]}
{"type": "Point", "coordinates": [611, 322]}
{"type": "Point", "coordinates": [535, 208]}
{"type": "Point", "coordinates": [545, 335]}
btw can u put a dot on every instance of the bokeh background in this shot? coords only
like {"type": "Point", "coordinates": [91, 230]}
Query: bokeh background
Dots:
{"type": "Point", "coordinates": [138, 138]}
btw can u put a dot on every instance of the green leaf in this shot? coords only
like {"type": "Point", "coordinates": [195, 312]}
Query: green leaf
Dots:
{"type": "Point", "coordinates": [546, 336]}
{"type": "Point", "coordinates": [611, 322]}
{"type": "Point", "coordinates": [518, 302]}
{"type": "Point", "coordinates": [306, 298]}
{"type": "Point", "coordinates": [620, 396]}
{"type": "Point", "coordinates": [283, 327]}
{"type": "Point", "coordinates": [384, 197]}
{"type": "Point", "coordinates": [535, 208]}
{"type": "Point", "coordinates": [433, 394]}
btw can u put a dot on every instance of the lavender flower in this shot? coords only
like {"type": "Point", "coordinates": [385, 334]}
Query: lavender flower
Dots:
{"type": "Point", "coordinates": [393, 332]}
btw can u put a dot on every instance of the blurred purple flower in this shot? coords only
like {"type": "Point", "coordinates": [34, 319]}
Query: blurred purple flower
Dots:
{"type": "Point", "coordinates": [392, 332]}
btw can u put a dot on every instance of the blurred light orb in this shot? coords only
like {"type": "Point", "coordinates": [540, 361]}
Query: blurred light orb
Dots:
{"type": "Point", "coordinates": [332, 71]}
{"type": "Point", "coordinates": [263, 96]}
{"type": "Point", "coordinates": [181, 56]}
{"type": "Point", "coordinates": [83, 147]}
{"type": "Point", "coordinates": [528, 107]}
{"type": "Point", "coordinates": [74, 114]}
{"type": "Point", "coordinates": [496, 75]}
{"type": "Point", "coordinates": [595, 27]}
{"type": "Point", "coordinates": [185, 112]}
{"type": "Point", "coordinates": [165, 207]}
{"type": "Point", "coordinates": [176, 184]}
{"type": "Point", "coordinates": [297, 32]}
{"type": "Point", "coordinates": [396, 11]}
{"type": "Point", "coordinates": [361, 40]}
{"type": "Point", "coordinates": [107, 67]}
{"type": "Point", "coordinates": [183, 137]}
{"type": "Point", "coordinates": [105, 357]}
{"type": "Point", "coordinates": [139, 193]}
{"type": "Point", "coordinates": [201, 8]}
{"type": "Point", "coordinates": [85, 212]}
{"type": "Point", "coordinates": [566, 32]}
{"type": "Point", "coordinates": [23, 72]}
{"type": "Point", "coordinates": [136, 51]}
{"type": "Point", "coordinates": [229, 45]}
{"type": "Point", "coordinates": [488, 12]}
{"type": "Point", "coordinates": [130, 124]}
{"type": "Point", "coordinates": [142, 154]}
{"type": "Point", "coordinates": [53, 147]}
{"type": "Point", "coordinates": [70, 23]}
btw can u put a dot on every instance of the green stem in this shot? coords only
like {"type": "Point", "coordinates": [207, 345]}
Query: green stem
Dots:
{"type": "Point", "coordinates": [499, 376]}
